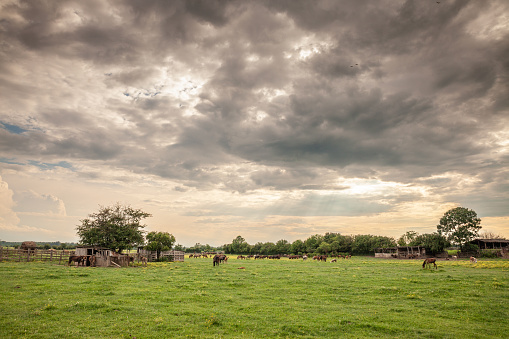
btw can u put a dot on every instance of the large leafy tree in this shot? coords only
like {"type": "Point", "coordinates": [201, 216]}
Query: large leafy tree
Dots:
{"type": "Point", "coordinates": [117, 227]}
{"type": "Point", "coordinates": [433, 242]}
{"type": "Point", "coordinates": [407, 238]}
{"type": "Point", "coordinates": [459, 225]}
{"type": "Point", "coordinates": [283, 246]}
{"type": "Point", "coordinates": [159, 241]}
{"type": "Point", "coordinates": [366, 244]}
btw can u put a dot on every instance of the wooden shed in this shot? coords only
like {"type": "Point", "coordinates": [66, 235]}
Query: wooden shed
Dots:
{"type": "Point", "coordinates": [401, 252]}
{"type": "Point", "coordinates": [152, 255]}
{"type": "Point", "coordinates": [104, 257]}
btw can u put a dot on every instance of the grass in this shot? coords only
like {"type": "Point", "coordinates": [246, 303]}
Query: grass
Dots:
{"type": "Point", "coordinates": [357, 298]}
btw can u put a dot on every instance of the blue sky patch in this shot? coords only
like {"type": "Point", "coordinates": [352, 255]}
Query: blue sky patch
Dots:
{"type": "Point", "coordinates": [13, 128]}
{"type": "Point", "coordinates": [10, 161]}
{"type": "Point", "coordinates": [49, 166]}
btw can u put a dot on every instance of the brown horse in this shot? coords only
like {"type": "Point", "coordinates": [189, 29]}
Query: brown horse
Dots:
{"type": "Point", "coordinates": [216, 260]}
{"type": "Point", "coordinates": [75, 258]}
{"type": "Point", "coordinates": [428, 262]}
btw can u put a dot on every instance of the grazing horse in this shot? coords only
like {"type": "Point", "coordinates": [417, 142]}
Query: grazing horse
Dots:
{"type": "Point", "coordinates": [428, 262]}
{"type": "Point", "coordinates": [216, 260]}
{"type": "Point", "coordinates": [473, 260]}
{"type": "Point", "coordinates": [304, 257]}
{"type": "Point", "coordinates": [333, 260]}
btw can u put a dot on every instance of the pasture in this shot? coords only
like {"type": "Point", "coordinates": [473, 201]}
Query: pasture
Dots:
{"type": "Point", "coordinates": [355, 298]}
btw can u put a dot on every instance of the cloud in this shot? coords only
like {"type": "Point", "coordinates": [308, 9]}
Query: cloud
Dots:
{"type": "Point", "coordinates": [235, 99]}
{"type": "Point", "coordinates": [8, 218]}
{"type": "Point", "coordinates": [33, 203]}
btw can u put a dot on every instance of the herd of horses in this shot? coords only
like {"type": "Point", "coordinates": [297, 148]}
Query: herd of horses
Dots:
{"type": "Point", "coordinates": [90, 260]}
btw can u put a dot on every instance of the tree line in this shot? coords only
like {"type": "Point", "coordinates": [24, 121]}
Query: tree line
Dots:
{"type": "Point", "coordinates": [119, 228]}
{"type": "Point", "coordinates": [57, 245]}
{"type": "Point", "coordinates": [328, 244]}
{"type": "Point", "coordinates": [457, 227]}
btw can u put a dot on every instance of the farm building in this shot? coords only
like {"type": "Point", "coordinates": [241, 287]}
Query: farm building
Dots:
{"type": "Point", "coordinates": [104, 257]}
{"type": "Point", "coordinates": [152, 255]}
{"type": "Point", "coordinates": [402, 252]}
{"type": "Point", "coordinates": [490, 243]}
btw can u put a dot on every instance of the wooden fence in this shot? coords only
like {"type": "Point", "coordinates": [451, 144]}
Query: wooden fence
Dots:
{"type": "Point", "coordinates": [19, 255]}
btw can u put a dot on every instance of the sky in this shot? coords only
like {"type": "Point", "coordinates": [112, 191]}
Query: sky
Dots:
{"type": "Point", "coordinates": [266, 119]}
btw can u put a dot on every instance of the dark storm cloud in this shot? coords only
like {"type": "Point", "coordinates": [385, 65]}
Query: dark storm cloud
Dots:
{"type": "Point", "coordinates": [247, 95]}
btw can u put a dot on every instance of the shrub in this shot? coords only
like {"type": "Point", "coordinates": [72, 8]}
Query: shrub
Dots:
{"type": "Point", "coordinates": [490, 253]}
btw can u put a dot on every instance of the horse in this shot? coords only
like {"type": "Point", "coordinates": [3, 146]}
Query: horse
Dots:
{"type": "Point", "coordinates": [304, 257]}
{"type": "Point", "coordinates": [92, 260]}
{"type": "Point", "coordinates": [75, 258]}
{"type": "Point", "coordinates": [333, 260]}
{"type": "Point", "coordinates": [216, 260]}
{"type": "Point", "coordinates": [429, 261]}
{"type": "Point", "coordinates": [473, 260]}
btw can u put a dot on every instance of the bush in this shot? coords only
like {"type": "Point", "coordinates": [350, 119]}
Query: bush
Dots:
{"type": "Point", "coordinates": [468, 247]}
{"type": "Point", "coordinates": [490, 253]}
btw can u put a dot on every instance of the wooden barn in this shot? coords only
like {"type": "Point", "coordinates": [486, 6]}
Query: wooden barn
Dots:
{"type": "Point", "coordinates": [104, 257]}
{"type": "Point", "coordinates": [490, 244]}
{"type": "Point", "coordinates": [401, 252]}
{"type": "Point", "coordinates": [152, 255]}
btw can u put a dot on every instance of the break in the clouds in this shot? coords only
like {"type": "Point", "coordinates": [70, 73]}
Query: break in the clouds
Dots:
{"type": "Point", "coordinates": [260, 118]}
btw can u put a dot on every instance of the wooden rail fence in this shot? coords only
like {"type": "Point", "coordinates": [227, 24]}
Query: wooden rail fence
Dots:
{"type": "Point", "coordinates": [7, 254]}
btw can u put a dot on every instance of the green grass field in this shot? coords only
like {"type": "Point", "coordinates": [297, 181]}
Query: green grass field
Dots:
{"type": "Point", "coordinates": [357, 298]}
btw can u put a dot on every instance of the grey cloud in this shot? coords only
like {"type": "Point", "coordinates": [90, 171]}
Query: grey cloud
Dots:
{"type": "Point", "coordinates": [426, 95]}
{"type": "Point", "coordinates": [311, 204]}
